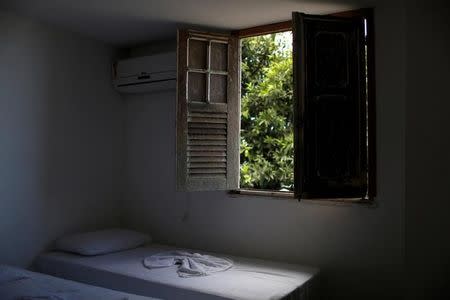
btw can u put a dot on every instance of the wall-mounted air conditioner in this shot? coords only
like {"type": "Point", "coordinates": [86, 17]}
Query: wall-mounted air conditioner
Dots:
{"type": "Point", "coordinates": [146, 74]}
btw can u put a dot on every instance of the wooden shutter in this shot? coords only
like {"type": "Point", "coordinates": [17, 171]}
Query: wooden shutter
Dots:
{"type": "Point", "coordinates": [330, 99]}
{"type": "Point", "coordinates": [208, 112]}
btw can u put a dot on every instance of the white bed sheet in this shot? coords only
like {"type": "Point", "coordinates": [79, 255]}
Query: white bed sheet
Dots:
{"type": "Point", "coordinates": [19, 283]}
{"type": "Point", "coordinates": [248, 279]}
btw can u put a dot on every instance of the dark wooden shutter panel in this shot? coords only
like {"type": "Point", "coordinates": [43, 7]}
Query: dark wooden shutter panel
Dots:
{"type": "Point", "coordinates": [208, 112]}
{"type": "Point", "coordinates": [330, 87]}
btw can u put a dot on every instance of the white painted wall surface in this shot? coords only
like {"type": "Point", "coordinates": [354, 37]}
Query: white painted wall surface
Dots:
{"type": "Point", "coordinates": [61, 132]}
{"type": "Point", "coordinates": [359, 249]}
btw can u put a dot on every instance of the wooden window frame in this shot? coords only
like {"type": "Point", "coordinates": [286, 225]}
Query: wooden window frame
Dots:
{"type": "Point", "coordinates": [264, 29]}
{"type": "Point", "coordinates": [366, 13]}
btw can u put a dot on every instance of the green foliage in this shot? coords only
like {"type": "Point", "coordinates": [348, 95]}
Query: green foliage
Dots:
{"type": "Point", "coordinates": [267, 151]}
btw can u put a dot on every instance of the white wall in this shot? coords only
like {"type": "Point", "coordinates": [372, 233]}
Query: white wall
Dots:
{"type": "Point", "coordinates": [359, 249]}
{"type": "Point", "coordinates": [61, 132]}
{"type": "Point", "coordinates": [428, 149]}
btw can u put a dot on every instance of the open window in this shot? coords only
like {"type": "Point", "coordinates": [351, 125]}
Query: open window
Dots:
{"type": "Point", "coordinates": [330, 113]}
{"type": "Point", "coordinates": [267, 127]}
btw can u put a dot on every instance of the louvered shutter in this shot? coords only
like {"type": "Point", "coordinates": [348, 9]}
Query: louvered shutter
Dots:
{"type": "Point", "coordinates": [330, 97]}
{"type": "Point", "coordinates": [208, 112]}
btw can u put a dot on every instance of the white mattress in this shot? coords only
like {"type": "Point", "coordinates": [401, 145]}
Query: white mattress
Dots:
{"type": "Point", "coordinates": [16, 283]}
{"type": "Point", "coordinates": [247, 279]}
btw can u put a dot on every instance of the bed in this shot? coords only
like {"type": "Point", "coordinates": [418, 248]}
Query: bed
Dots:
{"type": "Point", "coordinates": [20, 284]}
{"type": "Point", "coordinates": [247, 279]}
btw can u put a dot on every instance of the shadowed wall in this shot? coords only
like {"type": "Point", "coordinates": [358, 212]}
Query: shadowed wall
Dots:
{"type": "Point", "coordinates": [60, 137]}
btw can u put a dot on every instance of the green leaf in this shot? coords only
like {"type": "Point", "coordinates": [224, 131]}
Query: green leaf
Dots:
{"type": "Point", "coordinates": [267, 147]}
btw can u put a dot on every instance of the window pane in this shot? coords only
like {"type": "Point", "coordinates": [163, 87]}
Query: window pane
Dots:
{"type": "Point", "coordinates": [196, 86]}
{"type": "Point", "coordinates": [219, 57]}
{"type": "Point", "coordinates": [218, 88]}
{"type": "Point", "coordinates": [198, 54]}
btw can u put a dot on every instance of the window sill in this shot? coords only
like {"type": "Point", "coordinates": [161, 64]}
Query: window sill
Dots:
{"type": "Point", "coordinates": [290, 196]}
{"type": "Point", "coordinates": [263, 193]}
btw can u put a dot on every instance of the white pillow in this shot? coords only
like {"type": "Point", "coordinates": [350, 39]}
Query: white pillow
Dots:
{"type": "Point", "coordinates": [102, 242]}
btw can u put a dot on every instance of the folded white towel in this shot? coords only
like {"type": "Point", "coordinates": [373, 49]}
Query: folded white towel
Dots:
{"type": "Point", "coordinates": [191, 264]}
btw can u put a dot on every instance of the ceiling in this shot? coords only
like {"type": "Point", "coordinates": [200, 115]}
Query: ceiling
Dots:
{"type": "Point", "coordinates": [132, 22]}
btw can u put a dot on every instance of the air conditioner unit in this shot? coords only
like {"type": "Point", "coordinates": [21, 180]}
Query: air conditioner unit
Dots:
{"type": "Point", "coordinates": [146, 74]}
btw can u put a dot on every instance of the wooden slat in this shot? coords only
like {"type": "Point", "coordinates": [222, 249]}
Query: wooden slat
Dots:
{"type": "Point", "coordinates": [207, 165]}
{"type": "Point", "coordinates": [206, 131]}
{"type": "Point", "coordinates": [207, 148]}
{"type": "Point", "coordinates": [204, 153]}
{"type": "Point", "coordinates": [207, 120]}
{"type": "Point", "coordinates": [207, 115]}
{"type": "Point", "coordinates": [209, 176]}
{"type": "Point", "coordinates": [207, 159]}
{"type": "Point", "coordinates": [207, 137]}
{"type": "Point", "coordinates": [211, 125]}
{"type": "Point", "coordinates": [207, 142]}
{"type": "Point", "coordinates": [208, 171]}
